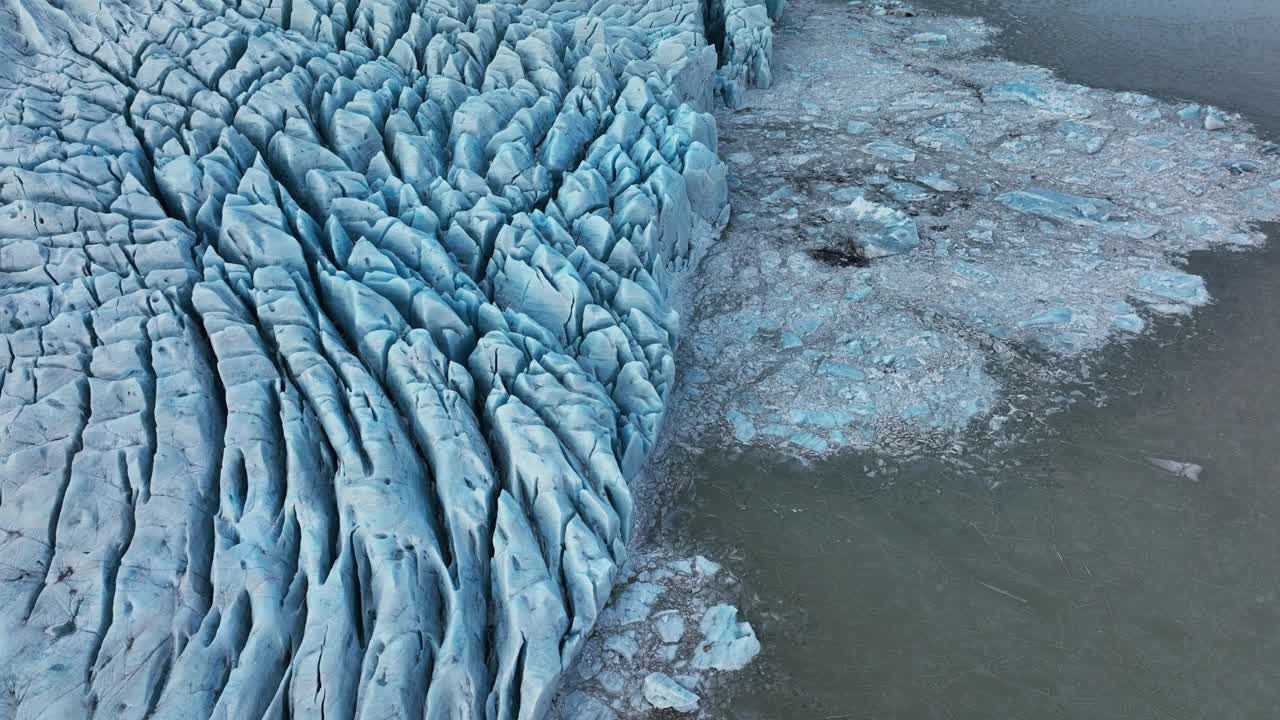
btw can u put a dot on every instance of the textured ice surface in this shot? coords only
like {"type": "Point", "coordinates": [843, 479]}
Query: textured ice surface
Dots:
{"type": "Point", "coordinates": [672, 655]}
{"type": "Point", "coordinates": [934, 236]}
{"type": "Point", "coordinates": [726, 643]}
{"type": "Point", "coordinates": [331, 334]}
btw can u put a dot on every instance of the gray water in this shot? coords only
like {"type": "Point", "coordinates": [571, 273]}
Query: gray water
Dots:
{"type": "Point", "coordinates": [1065, 577]}
{"type": "Point", "coordinates": [1224, 52]}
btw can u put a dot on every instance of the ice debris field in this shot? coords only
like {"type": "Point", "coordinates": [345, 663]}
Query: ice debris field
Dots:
{"type": "Point", "coordinates": [332, 334]}
{"type": "Point", "coordinates": [922, 232]}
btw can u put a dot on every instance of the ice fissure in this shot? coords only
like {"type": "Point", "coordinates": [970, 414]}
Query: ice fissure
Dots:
{"type": "Point", "coordinates": [333, 333]}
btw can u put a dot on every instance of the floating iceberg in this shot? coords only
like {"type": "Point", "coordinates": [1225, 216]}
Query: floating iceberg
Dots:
{"type": "Point", "coordinates": [878, 230]}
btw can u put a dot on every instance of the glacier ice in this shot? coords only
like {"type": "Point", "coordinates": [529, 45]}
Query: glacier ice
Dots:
{"type": "Point", "coordinates": [332, 336]}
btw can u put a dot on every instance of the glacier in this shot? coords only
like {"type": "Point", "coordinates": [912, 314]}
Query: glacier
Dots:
{"type": "Point", "coordinates": [332, 335]}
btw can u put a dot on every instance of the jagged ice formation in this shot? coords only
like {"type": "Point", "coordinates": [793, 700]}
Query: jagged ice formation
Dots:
{"type": "Point", "coordinates": [332, 334]}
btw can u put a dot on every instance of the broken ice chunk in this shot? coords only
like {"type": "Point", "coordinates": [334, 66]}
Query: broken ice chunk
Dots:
{"type": "Point", "coordinates": [846, 194]}
{"type": "Point", "coordinates": [939, 138]}
{"type": "Point", "coordinates": [1054, 205]}
{"type": "Point", "coordinates": [880, 231]}
{"type": "Point", "coordinates": [806, 325]}
{"type": "Point", "coordinates": [1135, 99]}
{"type": "Point", "coordinates": [612, 681]}
{"type": "Point", "coordinates": [841, 370]}
{"type": "Point", "coordinates": [1056, 316]}
{"type": "Point", "coordinates": [1239, 166]}
{"type": "Point", "coordinates": [1088, 139]}
{"type": "Point", "coordinates": [940, 184]}
{"type": "Point", "coordinates": [581, 706]}
{"type": "Point", "coordinates": [1129, 323]}
{"type": "Point", "coordinates": [635, 603]}
{"type": "Point", "coordinates": [809, 441]}
{"type": "Point", "coordinates": [666, 694]}
{"type": "Point", "coordinates": [670, 626]}
{"type": "Point", "coordinates": [743, 428]}
{"type": "Point", "coordinates": [624, 645]}
{"type": "Point", "coordinates": [928, 39]}
{"type": "Point", "coordinates": [916, 410]}
{"type": "Point", "coordinates": [1190, 471]}
{"type": "Point", "coordinates": [705, 566]}
{"type": "Point", "coordinates": [890, 151]}
{"type": "Point", "coordinates": [1146, 117]}
{"type": "Point", "coordinates": [820, 418]}
{"type": "Point", "coordinates": [857, 127]}
{"type": "Point", "coordinates": [1207, 117]}
{"type": "Point", "coordinates": [777, 196]}
{"type": "Point", "coordinates": [1191, 116]}
{"type": "Point", "coordinates": [1156, 141]}
{"type": "Point", "coordinates": [1135, 229]}
{"type": "Point", "coordinates": [726, 643]}
{"type": "Point", "coordinates": [1034, 96]}
{"type": "Point", "coordinates": [1017, 92]}
{"type": "Point", "coordinates": [1173, 285]}
{"type": "Point", "coordinates": [858, 294]}
{"type": "Point", "coordinates": [907, 192]}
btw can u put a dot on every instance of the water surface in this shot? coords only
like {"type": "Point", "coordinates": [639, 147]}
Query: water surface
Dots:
{"type": "Point", "coordinates": [1224, 52]}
